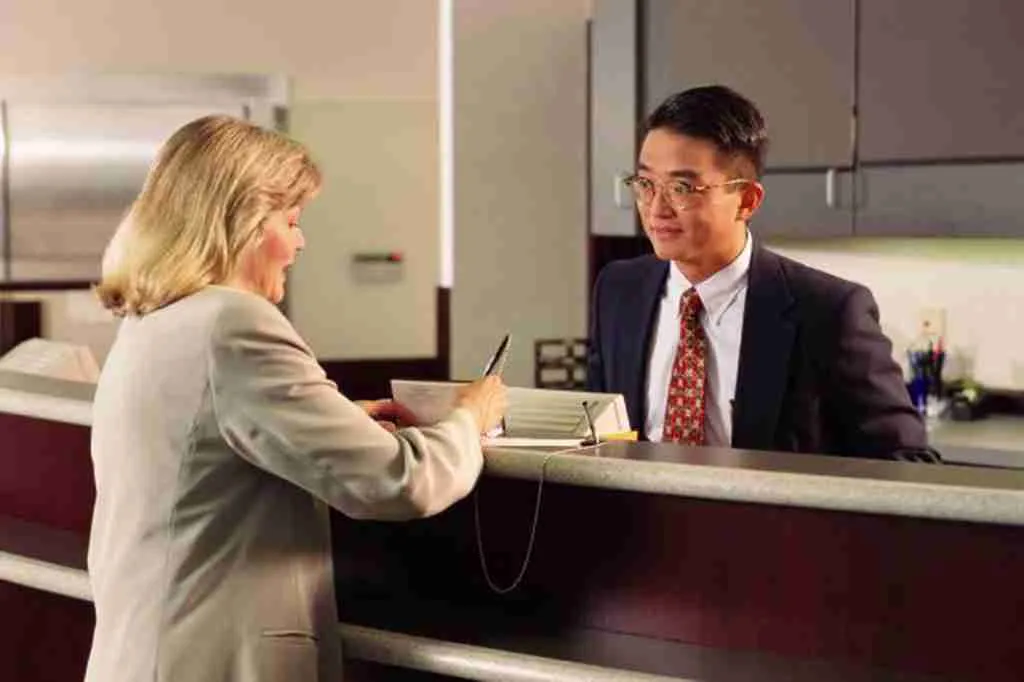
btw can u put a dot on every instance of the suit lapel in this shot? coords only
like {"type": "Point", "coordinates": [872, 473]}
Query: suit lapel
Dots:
{"type": "Point", "coordinates": [765, 348]}
{"type": "Point", "coordinates": [640, 317]}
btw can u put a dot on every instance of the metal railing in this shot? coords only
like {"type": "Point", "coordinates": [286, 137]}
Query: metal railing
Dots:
{"type": "Point", "coordinates": [373, 645]}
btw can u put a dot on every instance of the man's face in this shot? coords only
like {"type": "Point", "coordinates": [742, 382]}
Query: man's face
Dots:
{"type": "Point", "coordinates": [686, 226]}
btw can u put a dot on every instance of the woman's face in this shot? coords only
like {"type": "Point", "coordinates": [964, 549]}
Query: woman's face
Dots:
{"type": "Point", "coordinates": [264, 265]}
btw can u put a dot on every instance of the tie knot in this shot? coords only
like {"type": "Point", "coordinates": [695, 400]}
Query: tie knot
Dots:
{"type": "Point", "coordinates": [689, 304]}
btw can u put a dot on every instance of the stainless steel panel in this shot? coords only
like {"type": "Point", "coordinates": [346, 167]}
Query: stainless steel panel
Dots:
{"type": "Point", "coordinates": [74, 170]}
{"type": "Point", "coordinates": [264, 96]}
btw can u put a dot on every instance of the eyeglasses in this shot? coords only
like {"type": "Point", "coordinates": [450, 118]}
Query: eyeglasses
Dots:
{"type": "Point", "coordinates": [680, 193]}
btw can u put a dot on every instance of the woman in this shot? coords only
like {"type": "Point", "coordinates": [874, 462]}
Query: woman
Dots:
{"type": "Point", "coordinates": [217, 438]}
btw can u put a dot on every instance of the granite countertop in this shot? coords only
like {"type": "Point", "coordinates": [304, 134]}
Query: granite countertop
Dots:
{"type": "Point", "coordinates": [951, 492]}
{"type": "Point", "coordinates": [975, 494]}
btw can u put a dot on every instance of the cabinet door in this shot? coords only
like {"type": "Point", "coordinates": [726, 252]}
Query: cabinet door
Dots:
{"type": "Point", "coordinates": [805, 204]}
{"type": "Point", "coordinates": [941, 200]}
{"type": "Point", "coordinates": [940, 80]}
{"type": "Point", "coordinates": [793, 58]}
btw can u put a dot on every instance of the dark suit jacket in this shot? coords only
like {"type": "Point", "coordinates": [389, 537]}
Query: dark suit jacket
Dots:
{"type": "Point", "coordinates": [816, 373]}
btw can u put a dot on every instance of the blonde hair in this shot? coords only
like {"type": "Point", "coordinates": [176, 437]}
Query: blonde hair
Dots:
{"type": "Point", "coordinates": [209, 190]}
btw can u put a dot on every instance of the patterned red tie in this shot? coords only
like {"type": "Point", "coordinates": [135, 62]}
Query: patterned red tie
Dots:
{"type": "Point", "coordinates": [684, 408]}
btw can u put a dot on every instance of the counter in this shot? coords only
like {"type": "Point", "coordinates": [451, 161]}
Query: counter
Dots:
{"type": "Point", "coordinates": [639, 562]}
{"type": "Point", "coordinates": [948, 492]}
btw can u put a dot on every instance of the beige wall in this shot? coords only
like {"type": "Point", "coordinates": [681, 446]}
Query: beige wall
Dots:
{"type": "Point", "coordinates": [364, 79]}
{"type": "Point", "coordinates": [979, 283]}
{"type": "Point", "coordinates": [341, 49]}
{"type": "Point", "coordinates": [380, 162]}
{"type": "Point", "coordinates": [520, 174]}
{"type": "Point", "coordinates": [364, 82]}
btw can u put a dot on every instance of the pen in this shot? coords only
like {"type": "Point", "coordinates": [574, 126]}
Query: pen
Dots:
{"type": "Point", "coordinates": [496, 364]}
{"type": "Point", "coordinates": [497, 361]}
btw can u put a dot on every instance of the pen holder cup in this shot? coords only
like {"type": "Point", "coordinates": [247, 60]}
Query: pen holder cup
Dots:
{"type": "Point", "coordinates": [919, 388]}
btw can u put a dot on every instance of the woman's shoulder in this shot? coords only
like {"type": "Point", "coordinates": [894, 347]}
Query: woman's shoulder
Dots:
{"type": "Point", "coordinates": [218, 302]}
{"type": "Point", "coordinates": [221, 311]}
{"type": "Point", "coordinates": [226, 298]}
{"type": "Point", "coordinates": [233, 313]}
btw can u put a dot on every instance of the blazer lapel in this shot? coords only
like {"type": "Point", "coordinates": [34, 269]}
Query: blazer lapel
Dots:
{"type": "Point", "coordinates": [765, 348]}
{"type": "Point", "coordinates": [640, 317]}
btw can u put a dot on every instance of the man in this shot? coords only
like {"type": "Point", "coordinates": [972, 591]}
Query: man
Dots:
{"type": "Point", "coordinates": [715, 340]}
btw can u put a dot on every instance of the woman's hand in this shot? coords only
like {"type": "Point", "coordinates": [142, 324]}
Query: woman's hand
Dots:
{"type": "Point", "coordinates": [487, 399]}
{"type": "Point", "coordinates": [388, 413]}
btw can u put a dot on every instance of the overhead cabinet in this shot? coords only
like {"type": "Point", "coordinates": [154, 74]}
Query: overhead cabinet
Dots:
{"type": "Point", "coordinates": [886, 118]}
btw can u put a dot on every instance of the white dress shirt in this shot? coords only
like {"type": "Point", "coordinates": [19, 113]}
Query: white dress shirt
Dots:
{"type": "Point", "coordinates": [724, 298]}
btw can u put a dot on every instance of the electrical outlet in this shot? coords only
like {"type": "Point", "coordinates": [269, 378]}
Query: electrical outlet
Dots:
{"type": "Point", "coordinates": [933, 321]}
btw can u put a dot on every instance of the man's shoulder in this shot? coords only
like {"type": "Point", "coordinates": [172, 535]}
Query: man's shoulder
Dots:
{"type": "Point", "coordinates": [809, 284]}
{"type": "Point", "coordinates": [630, 269]}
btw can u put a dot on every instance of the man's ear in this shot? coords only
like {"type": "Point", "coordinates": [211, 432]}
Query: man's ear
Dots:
{"type": "Point", "coordinates": [751, 197]}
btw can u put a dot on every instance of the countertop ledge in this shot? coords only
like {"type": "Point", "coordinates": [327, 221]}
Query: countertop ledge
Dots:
{"type": "Point", "coordinates": [952, 493]}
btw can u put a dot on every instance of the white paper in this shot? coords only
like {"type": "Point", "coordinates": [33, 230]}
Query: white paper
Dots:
{"type": "Point", "coordinates": [429, 401]}
{"type": "Point", "coordinates": [532, 412]}
{"type": "Point", "coordinates": [54, 359]}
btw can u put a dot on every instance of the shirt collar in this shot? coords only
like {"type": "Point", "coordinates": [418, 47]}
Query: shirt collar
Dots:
{"type": "Point", "coordinates": [718, 291]}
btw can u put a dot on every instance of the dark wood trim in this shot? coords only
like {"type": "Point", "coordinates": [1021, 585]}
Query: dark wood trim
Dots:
{"type": "Point", "coordinates": [19, 320]}
{"type": "Point", "coordinates": [444, 332]}
{"type": "Point", "coordinates": [1003, 402]}
{"type": "Point", "coordinates": [879, 597]}
{"type": "Point", "coordinates": [365, 671]}
{"type": "Point", "coordinates": [605, 249]}
{"type": "Point", "coordinates": [45, 473]}
{"type": "Point", "coordinates": [46, 285]}
{"type": "Point", "coordinates": [46, 502]}
{"type": "Point", "coordinates": [43, 637]}
{"type": "Point", "coordinates": [370, 379]}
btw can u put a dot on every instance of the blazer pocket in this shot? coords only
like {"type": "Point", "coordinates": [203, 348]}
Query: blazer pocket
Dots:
{"type": "Point", "coordinates": [288, 655]}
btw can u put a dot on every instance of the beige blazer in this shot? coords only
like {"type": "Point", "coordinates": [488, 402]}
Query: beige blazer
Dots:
{"type": "Point", "coordinates": [216, 441]}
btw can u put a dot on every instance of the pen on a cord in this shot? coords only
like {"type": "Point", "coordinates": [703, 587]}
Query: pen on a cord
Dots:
{"type": "Point", "coordinates": [496, 364]}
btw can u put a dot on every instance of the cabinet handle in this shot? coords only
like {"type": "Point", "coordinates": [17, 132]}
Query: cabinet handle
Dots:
{"type": "Point", "coordinates": [830, 188]}
{"type": "Point", "coordinates": [620, 196]}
